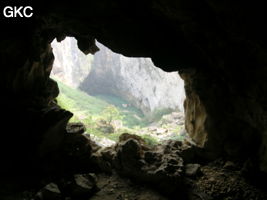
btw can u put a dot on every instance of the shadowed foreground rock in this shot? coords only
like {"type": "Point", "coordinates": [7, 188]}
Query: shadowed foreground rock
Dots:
{"type": "Point", "coordinates": [160, 166]}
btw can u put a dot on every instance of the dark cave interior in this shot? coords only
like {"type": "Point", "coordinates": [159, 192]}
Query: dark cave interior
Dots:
{"type": "Point", "coordinates": [219, 49]}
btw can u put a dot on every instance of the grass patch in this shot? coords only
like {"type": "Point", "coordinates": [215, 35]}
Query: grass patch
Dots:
{"type": "Point", "coordinates": [88, 109]}
{"type": "Point", "coordinates": [91, 109]}
{"type": "Point", "coordinates": [149, 140]}
{"type": "Point", "coordinates": [132, 115]}
{"type": "Point", "coordinates": [76, 100]}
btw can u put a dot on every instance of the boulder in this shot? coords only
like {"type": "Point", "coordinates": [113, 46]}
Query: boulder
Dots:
{"type": "Point", "coordinates": [84, 186]}
{"type": "Point", "coordinates": [78, 186]}
{"type": "Point", "coordinates": [49, 192]}
{"type": "Point", "coordinates": [77, 128]}
{"type": "Point", "coordinates": [158, 166]}
{"type": "Point", "coordinates": [192, 170]}
{"type": "Point", "coordinates": [229, 165]}
{"type": "Point", "coordinates": [105, 127]}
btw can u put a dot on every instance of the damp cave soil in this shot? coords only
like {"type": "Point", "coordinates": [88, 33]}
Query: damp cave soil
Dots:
{"type": "Point", "coordinates": [220, 180]}
{"type": "Point", "coordinates": [215, 181]}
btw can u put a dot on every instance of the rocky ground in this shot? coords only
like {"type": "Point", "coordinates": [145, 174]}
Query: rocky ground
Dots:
{"type": "Point", "coordinates": [167, 171]}
{"type": "Point", "coordinates": [215, 181]}
{"type": "Point", "coordinates": [169, 127]}
{"type": "Point", "coordinates": [102, 141]}
{"type": "Point", "coordinates": [218, 180]}
{"type": "Point", "coordinates": [117, 188]}
{"type": "Point", "coordinates": [132, 170]}
{"type": "Point", "coordinates": [224, 180]}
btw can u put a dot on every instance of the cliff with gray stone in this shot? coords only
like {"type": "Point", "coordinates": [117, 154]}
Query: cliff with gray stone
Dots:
{"type": "Point", "coordinates": [137, 80]}
{"type": "Point", "coordinates": [71, 66]}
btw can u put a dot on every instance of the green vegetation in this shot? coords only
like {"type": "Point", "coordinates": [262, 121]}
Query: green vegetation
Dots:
{"type": "Point", "coordinates": [111, 113]}
{"type": "Point", "coordinates": [78, 101]}
{"type": "Point", "coordinates": [85, 105]}
{"type": "Point", "coordinates": [108, 116]}
{"type": "Point", "coordinates": [131, 115]}
{"type": "Point", "coordinates": [149, 139]}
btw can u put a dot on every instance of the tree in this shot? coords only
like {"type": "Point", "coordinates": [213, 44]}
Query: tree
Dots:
{"type": "Point", "coordinates": [111, 113]}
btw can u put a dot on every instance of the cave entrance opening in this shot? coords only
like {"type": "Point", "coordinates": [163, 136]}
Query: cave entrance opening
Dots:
{"type": "Point", "coordinates": [112, 94]}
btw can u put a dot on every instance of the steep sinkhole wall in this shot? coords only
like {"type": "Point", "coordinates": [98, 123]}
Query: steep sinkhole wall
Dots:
{"type": "Point", "coordinates": [137, 80]}
{"type": "Point", "coordinates": [145, 95]}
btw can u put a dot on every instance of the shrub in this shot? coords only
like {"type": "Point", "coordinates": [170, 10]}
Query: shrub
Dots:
{"type": "Point", "coordinates": [149, 140]}
{"type": "Point", "coordinates": [111, 113]}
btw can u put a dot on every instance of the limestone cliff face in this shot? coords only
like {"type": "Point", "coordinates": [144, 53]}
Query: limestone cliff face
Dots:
{"type": "Point", "coordinates": [71, 66]}
{"type": "Point", "coordinates": [136, 80]}
{"type": "Point", "coordinates": [195, 113]}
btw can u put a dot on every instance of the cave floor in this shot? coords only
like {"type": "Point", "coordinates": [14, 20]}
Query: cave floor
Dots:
{"type": "Point", "coordinates": [222, 180]}
{"type": "Point", "coordinates": [219, 180]}
{"type": "Point", "coordinates": [116, 188]}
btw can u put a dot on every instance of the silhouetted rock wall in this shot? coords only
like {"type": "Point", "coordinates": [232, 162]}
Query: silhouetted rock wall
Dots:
{"type": "Point", "coordinates": [219, 47]}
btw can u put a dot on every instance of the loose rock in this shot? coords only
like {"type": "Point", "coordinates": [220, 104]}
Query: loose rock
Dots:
{"type": "Point", "coordinates": [192, 169]}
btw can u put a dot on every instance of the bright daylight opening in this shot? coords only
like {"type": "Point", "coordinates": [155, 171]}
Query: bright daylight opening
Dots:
{"type": "Point", "coordinates": [112, 94]}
